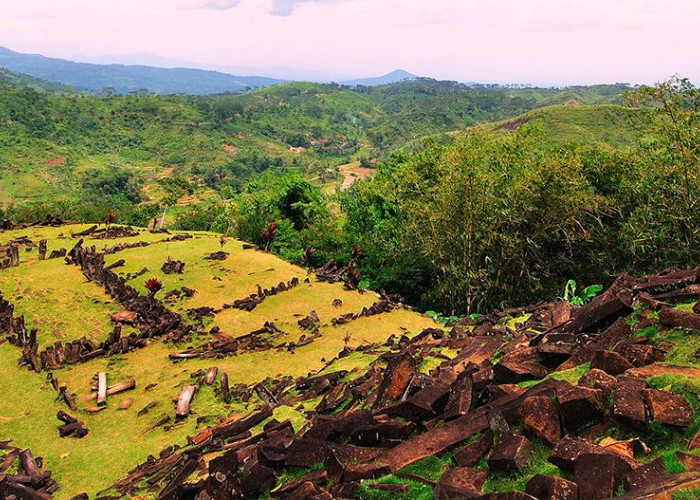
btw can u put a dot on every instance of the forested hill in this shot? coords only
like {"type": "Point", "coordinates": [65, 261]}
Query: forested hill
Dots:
{"type": "Point", "coordinates": [53, 141]}
{"type": "Point", "coordinates": [128, 78]}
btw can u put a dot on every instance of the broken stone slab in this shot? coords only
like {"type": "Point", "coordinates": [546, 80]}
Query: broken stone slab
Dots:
{"type": "Point", "coordinates": [541, 418]}
{"type": "Point", "coordinates": [551, 488]}
{"type": "Point", "coordinates": [644, 372]}
{"type": "Point", "coordinates": [599, 476]}
{"type": "Point", "coordinates": [461, 482]}
{"type": "Point", "coordinates": [519, 365]}
{"type": "Point", "coordinates": [472, 454]}
{"type": "Point", "coordinates": [646, 475]}
{"type": "Point", "coordinates": [568, 449]}
{"type": "Point", "coordinates": [610, 362]}
{"type": "Point", "coordinates": [511, 453]}
{"type": "Point", "coordinates": [605, 308]}
{"type": "Point", "coordinates": [668, 408]}
{"type": "Point", "coordinates": [677, 317]}
{"type": "Point", "coordinates": [628, 402]}
{"type": "Point", "coordinates": [578, 405]}
{"type": "Point", "coordinates": [640, 354]}
{"type": "Point", "coordinates": [665, 489]}
{"type": "Point", "coordinates": [609, 338]}
{"type": "Point", "coordinates": [435, 441]}
{"type": "Point", "coordinates": [598, 379]}
{"type": "Point", "coordinates": [397, 376]}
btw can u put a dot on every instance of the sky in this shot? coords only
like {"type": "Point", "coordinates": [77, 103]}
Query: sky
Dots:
{"type": "Point", "coordinates": [552, 42]}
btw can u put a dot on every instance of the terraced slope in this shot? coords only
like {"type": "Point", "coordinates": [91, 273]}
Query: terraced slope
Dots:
{"type": "Point", "coordinates": [58, 300]}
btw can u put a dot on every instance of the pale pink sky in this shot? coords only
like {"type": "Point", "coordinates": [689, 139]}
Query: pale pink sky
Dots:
{"type": "Point", "coordinates": [519, 41]}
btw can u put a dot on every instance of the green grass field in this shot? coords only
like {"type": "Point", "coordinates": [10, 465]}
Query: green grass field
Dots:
{"type": "Point", "coordinates": [57, 297]}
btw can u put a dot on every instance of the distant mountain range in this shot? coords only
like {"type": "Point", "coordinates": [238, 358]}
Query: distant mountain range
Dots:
{"type": "Point", "coordinates": [398, 75]}
{"type": "Point", "coordinates": [125, 78]}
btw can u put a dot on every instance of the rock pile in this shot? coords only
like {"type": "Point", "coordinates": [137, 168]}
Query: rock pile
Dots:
{"type": "Point", "coordinates": [496, 400]}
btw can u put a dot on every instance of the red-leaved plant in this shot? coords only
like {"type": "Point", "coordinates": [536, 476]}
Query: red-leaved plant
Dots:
{"type": "Point", "coordinates": [153, 285]}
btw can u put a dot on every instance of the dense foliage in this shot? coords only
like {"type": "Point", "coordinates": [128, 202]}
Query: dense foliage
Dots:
{"type": "Point", "coordinates": [504, 213]}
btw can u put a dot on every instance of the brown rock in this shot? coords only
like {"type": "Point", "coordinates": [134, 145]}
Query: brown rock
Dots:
{"type": "Point", "coordinates": [646, 475]}
{"type": "Point", "coordinates": [507, 495]}
{"type": "Point", "coordinates": [482, 377]}
{"type": "Point", "coordinates": [510, 453]}
{"type": "Point", "coordinates": [610, 362]}
{"type": "Point", "coordinates": [668, 408]}
{"type": "Point", "coordinates": [551, 488]}
{"type": "Point", "coordinates": [598, 379]}
{"type": "Point", "coordinates": [578, 405]}
{"type": "Point", "coordinates": [695, 442]}
{"type": "Point", "coordinates": [665, 489]}
{"type": "Point", "coordinates": [690, 462]}
{"type": "Point", "coordinates": [628, 405]}
{"type": "Point", "coordinates": [125, 404]}
{"type": "Point", "coordinates": [640, 354]}
{"type": "Point", "coordinates": [541, 418]}
{"type": "Point", "coordinates": [567, 451]}
{"type": "Point", "coordinates": [599, 475]}
{"type": "Point", "coordinates": [518, 365]}
{"type": "Point", "coordinates": [126, 317]}
{"type": "Point", "coordinates": [677, 317]}
{"type": "Point", "coordinates": [462, 482]}
{"type": "Point", "coordinates": [612, 303]}
{"type": "Point", "coordinates": [471, 454]}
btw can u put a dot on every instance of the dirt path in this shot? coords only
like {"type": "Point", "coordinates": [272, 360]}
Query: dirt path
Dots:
{"type": "Point", "coordinates": [353, 172]}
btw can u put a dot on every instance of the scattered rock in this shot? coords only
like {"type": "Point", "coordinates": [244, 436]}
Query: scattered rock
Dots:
{"type": "Point", "coordinates": [510, 453]}
{"type": "Point", "coordinates": [668, 408]}
{"type": "Point", "coordinates": [551, 488]}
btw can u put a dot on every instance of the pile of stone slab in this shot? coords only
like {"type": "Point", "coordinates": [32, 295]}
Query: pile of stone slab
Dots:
{"type": "Point", "coordinates": [485, 410]}
{"type": "Point", "coordinates": [28, 479]}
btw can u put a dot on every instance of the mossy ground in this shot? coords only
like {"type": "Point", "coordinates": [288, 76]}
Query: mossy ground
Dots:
{"type": "Point", "coordinates": [119, 439]}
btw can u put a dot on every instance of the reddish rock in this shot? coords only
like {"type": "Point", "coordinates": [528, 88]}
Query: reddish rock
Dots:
{"type": "Point", "coordinates": [551, 488]}
{"type": "Point", "coordinates": [511, 453]}
{"type": "Point", "coordinates": [612, 303]}
{"type": "Point", "coordinates": [646, 475]}
{"type": "Point", "coordinates": [598, 379]}
{"type": "Point", "coordinates": [541, 418]}
{"type": "Point", "coordinates": [518, 365]}
{"type": "Point", "coordinates": [640, 354]}
{"type": "Point", "coordinates": [690, 462]}
{"type": "Point", "coordinates": [567, 451]}
{"type": "Point", "coordinates": [599, 475]}
{"type": "Point", "coordinates": [126, 317]}
{"type": "Point", "coordinates": [695, 442]}
{"type": "Point", "coordinates": [612, 336]}
{"type": "Point", "coordinates": [459, 399]}
{"type": "Point", "coordinates": [462, 482]}
{"type": "Point", "coordinates": [628, 405]}
{"type": "Point", "coordinates": [610, 362]}
{"type": "Point", "coordinates": [472, 454]}
{"type": "Point", "coordinates": [397, 375]}
{"type": "Point", "coordinates": [482, 377]}
{"type": "Point", "coordinates": [668, 408]}
{"type": "Point", "coordinates": [578, 405]}
{"type": "Point", "coordinates": [677, 317]}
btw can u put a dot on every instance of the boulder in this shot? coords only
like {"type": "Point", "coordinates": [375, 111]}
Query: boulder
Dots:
{"type": "Point", "coordinates": [598, 379]}
{"type": "Point", "coordinates": [598, 475]}
{"type": "Point", "coordinates": [646, 475]}
{"type": "Point", "coordinates": [462, 482]}
{"type": "Point", "coordinates": [551, 488]}
{"type": "Point", "coordinates": [640, 354]}
{"type": "Point", "coordinates": [472, 454]}
{"type": "Point", "coordinates": [541, 418]}
{"type": "Point", "coordinates": [567, 451]}
{"type": "Point", "coordinates": [628, 405]}
{"type": "Point", "coordinates": [610, 362]}
{"type": "Point", "coordinates": [578, 405]}
{"type": "Point", "coordinates": [511, 453]}
{"type": "Point", "coordinates": [126, 317]}
{"type": "Point", "coordinates": [668, 408]}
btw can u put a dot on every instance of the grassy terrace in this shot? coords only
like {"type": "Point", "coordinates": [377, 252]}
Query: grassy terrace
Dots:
{"type": "Point", "coordinates": [57, 298]}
